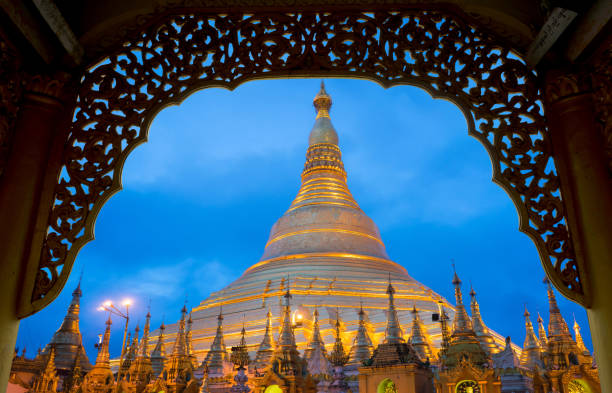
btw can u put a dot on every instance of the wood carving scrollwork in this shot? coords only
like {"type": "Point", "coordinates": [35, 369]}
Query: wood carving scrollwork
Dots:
{"type": "Point", "coordinates": [442, 53]}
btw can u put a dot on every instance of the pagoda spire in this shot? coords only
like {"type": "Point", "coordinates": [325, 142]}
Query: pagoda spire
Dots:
{"type": "Point", "coordinates": [189, 342]}
{"type": "Point", "coordinates": [141, 369]}
{"type": "Point", "coordinates": [158, 355]}
{"type": "Point", "coordinates": [393, 333]}
{"type": "Point", "coordinates": [67, 340]}
{"type": "Point", "coordinates": [103, 358]}
{"type": "Point", "coordinates": [557, 327]}
{"type": "Point", "coordinates": [217, 355]}
{"type": "Point", "coordinates": [462, 323]}
{"type": "Point", "coordinates": [101, 377]}
{"type": "Point", "coordinates": [266, 347]}
{"type": "Point", "coordinates": [362, 347]}
{"type": "Point", "coordinates": [444, 326]}
{"type": "Point", "coordinates": [338, 357]}
{"type": "Point", "coordinates": [178, 369]}
{"type": "Point", "coordinates": [481, 330]}
{"type": "Point", "coordinates": [286, 338]}
{"type": "Point", "coordinates": [316, 342]}
{"type": "Point", "coordinates": [542, 332]}
{"type": "Point", "coordinates": [579, 340]}
{"type": "Point", "coordinates": [48, 380]}
{"type": "Point", "coordinates": [240, 355]}
{"type": "Point", "coordinates": [418, 337]}
{"type": "Point", "coordinates": [286, 359]}
{"type": "Point", "coordinates": [143, 350]}
{"type": "Point", "coordinates": [532, 350]}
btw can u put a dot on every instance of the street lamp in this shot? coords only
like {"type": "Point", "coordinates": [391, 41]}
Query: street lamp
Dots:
{"type": "Point", "coordinates": [111, 308]}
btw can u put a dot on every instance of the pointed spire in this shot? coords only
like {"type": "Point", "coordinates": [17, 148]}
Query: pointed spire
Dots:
{"type": "Point", "coordinates": [217, 355]}
{"type": "Point", "coordinates": [393, 333]}
{"type": "Point", "coordinates": [482, 331]}
{"type": "Point", "coordinates": [103, 358]}
{"type": "Point", "coordinates": [266, 347]}
{"type": "Point", "coordinates": [444, 326]}
{"type": "Point", "coordinates": [418, 337]}
{"type": "Point", "coordinates": [286, 338]}
{"type": "Point", "coordinates": [189, 342]}
{"type": "Point", "coordinates": [462, 323]}
{"type": "Point", "coordinates": [337, 356]}
{"type": "Point", "coordinates": [322, 102]}
{"type": "Point", "coordinates": [579, 340]}
{"type": "Point", "coordinates": [316, 342]}
{"type": "Point", "coordinates": [180, 346]}
{"type": "Point", "coordinates": [240, 353]}
{"type": "Point", "coordinates": [362, 346]}
{"type": "Point", "coordinates": [531, 354]}
{"type": "Point", "coordinates": [557, 327]}
{"type": "Point", "coordinates": [50, 365]}
{"type": "Point", "coordinates": [158, 356]}
{"type": "Point", "coordinates": [143, 350]}
{"type": "Point", "coordinates": [542, 332]}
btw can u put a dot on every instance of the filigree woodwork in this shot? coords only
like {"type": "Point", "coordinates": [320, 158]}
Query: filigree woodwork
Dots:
{"type": "Point", "coordinates": [441, 53]}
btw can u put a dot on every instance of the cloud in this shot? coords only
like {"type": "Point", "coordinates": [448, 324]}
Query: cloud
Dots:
{"type": "Point", "coordinates": [169, 280]}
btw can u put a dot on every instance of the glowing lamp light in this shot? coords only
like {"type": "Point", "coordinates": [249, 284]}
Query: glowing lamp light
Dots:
{"type": "Point", "coordinates": [108, 303]}
{"type": "Point", "coordinates": [100, 308]}
{"type": "Point", "coordinates": [127, 302]}
{"type": "Point", "coordinates": [299, 317]}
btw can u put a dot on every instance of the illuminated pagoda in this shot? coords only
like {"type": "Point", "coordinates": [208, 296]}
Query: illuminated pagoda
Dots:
{"type": "Point", "coordinates": [335, 258]}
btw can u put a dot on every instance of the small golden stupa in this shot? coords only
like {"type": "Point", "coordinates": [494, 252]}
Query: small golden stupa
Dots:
{"type": "Point", "coordinates": [331, 255]}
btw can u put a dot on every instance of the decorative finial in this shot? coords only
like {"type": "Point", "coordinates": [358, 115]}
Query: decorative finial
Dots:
{"type": "Point", "coordinates": [322, 102]}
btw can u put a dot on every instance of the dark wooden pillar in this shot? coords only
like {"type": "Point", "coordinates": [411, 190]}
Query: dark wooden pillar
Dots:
{"type": "Point", "coordinates": [26, 196]}
{"type": "Point", "coordinates": [586, 186]}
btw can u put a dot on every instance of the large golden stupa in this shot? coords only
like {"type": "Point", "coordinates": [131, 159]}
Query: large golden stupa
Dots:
{"type": "Point", "coordinates": [330, 254]}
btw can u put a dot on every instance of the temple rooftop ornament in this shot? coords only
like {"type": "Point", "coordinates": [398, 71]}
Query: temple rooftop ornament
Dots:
{"type": "Point", "coordinates": [482, 331]}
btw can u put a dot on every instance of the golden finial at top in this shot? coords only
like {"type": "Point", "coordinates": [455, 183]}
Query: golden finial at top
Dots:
{"type": "Point", "coordinates": [322, 102]}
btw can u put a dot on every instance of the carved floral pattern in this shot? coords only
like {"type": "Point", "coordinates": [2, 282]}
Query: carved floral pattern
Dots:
{"type": "Point", "coordinates": [167, 61]}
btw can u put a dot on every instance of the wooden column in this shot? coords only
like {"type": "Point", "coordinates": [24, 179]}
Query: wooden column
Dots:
{"type": "Point", "coordinates": [26, 195]}
{"type": "Point", "coordinates": [586, 187]}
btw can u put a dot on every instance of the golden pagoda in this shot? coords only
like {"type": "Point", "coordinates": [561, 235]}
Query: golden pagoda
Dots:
{"type": "Point", "coordinates": [335, 258]}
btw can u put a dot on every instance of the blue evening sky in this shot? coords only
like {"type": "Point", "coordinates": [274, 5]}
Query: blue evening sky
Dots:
{"type": "Point", "coordinates": [200, 197]}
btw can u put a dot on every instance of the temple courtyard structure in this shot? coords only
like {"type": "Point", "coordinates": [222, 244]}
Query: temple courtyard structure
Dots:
{"type": "Point", "coordinates": [324, 310]}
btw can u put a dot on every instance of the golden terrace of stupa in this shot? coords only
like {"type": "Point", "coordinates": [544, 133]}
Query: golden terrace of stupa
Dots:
{"type": "Point", "coordinates": [331, 255]}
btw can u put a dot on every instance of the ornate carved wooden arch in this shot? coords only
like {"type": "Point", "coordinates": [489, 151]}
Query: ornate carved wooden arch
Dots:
{"type": "Point", "coordinates": [439, 52]}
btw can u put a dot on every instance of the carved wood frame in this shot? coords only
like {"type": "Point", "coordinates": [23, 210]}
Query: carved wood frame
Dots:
{"type": "Point", "coordinates": [442, 52]}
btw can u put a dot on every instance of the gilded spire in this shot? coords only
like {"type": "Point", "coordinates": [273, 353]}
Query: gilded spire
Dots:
{"type": "Point", "coordinates": [557, 327]}
{"type": "Point", "coordinates": [337, 356]}
{"type": "Point", "coordinates": [240, 353]}
{"type": "Point", "coordinates": [322, 102]}
{"type": "Point", "coordinates": [67, 339]}
{"type": "Point", "coordinates": [266, 347]}
{"type": "Point", "coordinates": [362, 347]}
{"type": "Point", "coordinates": [542, 332]}
{"type": "Point", "coordinates": [217, 355]}
{"type": "Point", "coordinates": [143, 351]}
{"type": "Point", "coordinates": [418, 337]}
{"type": "Point", "coordinates": [180, 344]}
{"type": "Point", "coordinates": [393, 333]}
{"type": "Point", "coordinates": [481, 330]}
{"type": "Point", "coordinates": [579, 340]}
{"type": "Point", "coordinates": [103, 358]}
{"type": "Point", "coordinates": [286, 338]}
{"type": "Point", "coordinates": [47, 381]}
{"type": "Point", "coordinates": [531, 354]}
{"type": "Point", "coordinates": [189, 342]}
{"type": "Point", "coordinates": [462, 323]}
{"type": "Point", "coordinates": [316, 342]}
{"type": "Point", "coordinates": [444, 326]}
{"type": "Point", "coordinates": [158, 356]}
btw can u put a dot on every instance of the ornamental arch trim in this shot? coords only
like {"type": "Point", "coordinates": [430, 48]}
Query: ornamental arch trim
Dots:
{"type": "Point", "coordinates": [167, 60]}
